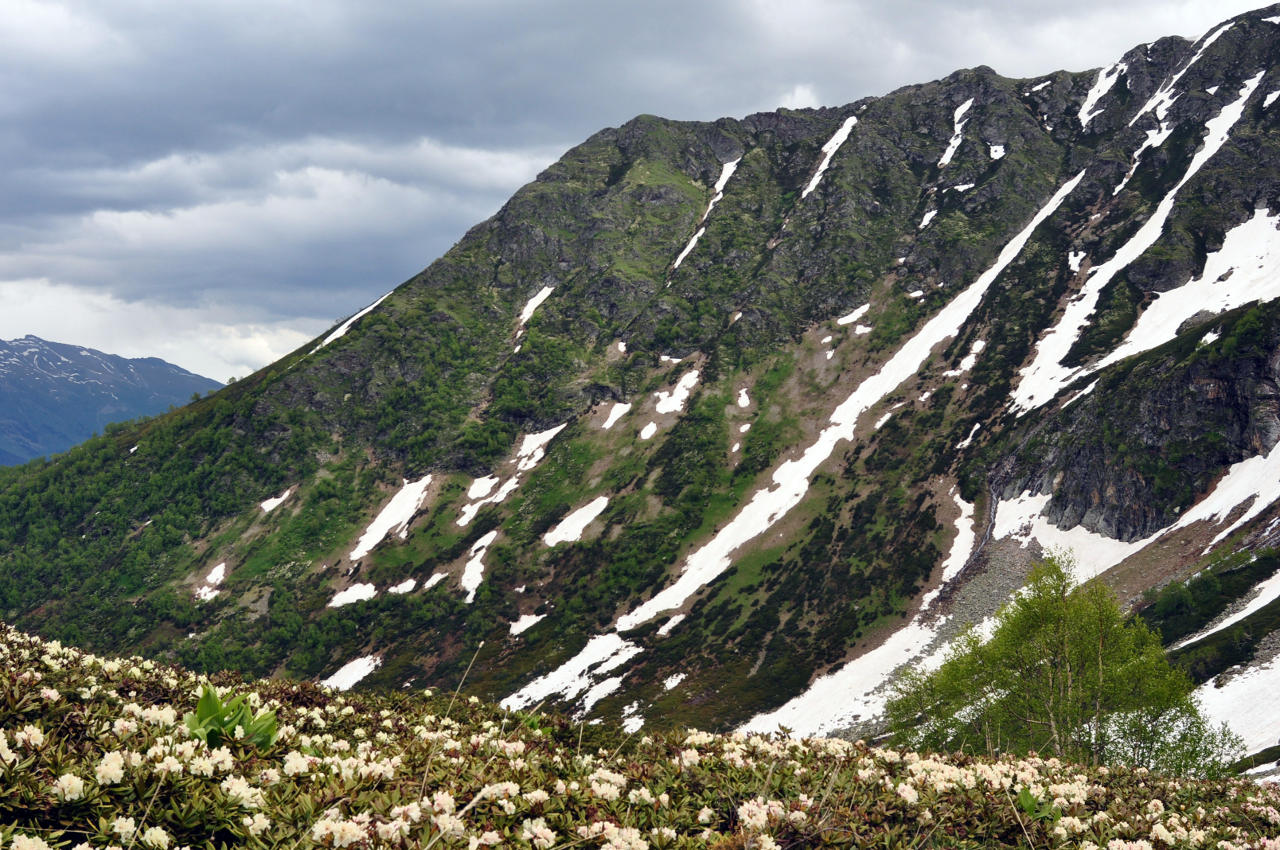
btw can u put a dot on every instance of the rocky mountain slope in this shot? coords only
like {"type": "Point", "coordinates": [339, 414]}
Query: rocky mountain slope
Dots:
{"type": "Point", "coordinates": [723, 423]}
{"type": "Point", "coordinates": [53, 396]}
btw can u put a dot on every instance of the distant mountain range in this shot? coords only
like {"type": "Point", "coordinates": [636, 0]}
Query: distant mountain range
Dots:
{"type": "Point", "coordinates": [53, 395]}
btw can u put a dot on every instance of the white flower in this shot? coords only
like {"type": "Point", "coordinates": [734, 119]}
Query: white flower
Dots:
{"type": "Point", "coordinates": [706, 814]}
{"type": "Point", "coordinates": [110, 769]}
{"type": "Point", "coordinates": [28, 842]}
{"type": "Point", "coordinates": [257, 824]}
{"type": "Point", "coordinates": [156, 837]}
{"type": "Point", "coordinates": [537, 833]}
{"type": "Point", "coordinates": [69, 787]}
{"type": "Point", "coordinates": [123, 827]}
{"type": "Point", "coordinates": [30, 737]}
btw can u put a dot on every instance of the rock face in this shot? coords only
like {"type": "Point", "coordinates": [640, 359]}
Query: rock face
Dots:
{"type": "Point", "coordinates": [805, 369]}
{"type": "Point", "coordinates": [53, 396]}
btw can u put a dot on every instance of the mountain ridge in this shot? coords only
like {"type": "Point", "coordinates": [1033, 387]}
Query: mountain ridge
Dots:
{"type": "Point", "coordinates": [823, 324]}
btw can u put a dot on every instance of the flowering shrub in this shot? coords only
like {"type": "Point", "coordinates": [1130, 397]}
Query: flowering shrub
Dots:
{"type": "Point", "coordinates": [93, 755]}
{"type": "Point", "coordinates": [215, 722]}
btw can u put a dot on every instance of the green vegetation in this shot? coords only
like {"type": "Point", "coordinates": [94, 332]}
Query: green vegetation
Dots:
{"type": "Point", "coordinates": [1064, 672]}
{"type": "Point", "coordinates": [92, 754]}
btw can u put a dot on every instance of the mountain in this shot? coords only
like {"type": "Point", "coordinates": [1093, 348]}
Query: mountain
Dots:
{"type": "Point", "coordinates": [53, 396]}
{"type": "Point", "coordinates": [724, 423]}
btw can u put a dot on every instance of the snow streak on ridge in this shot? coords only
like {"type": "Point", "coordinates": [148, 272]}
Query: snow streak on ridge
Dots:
{"type": "Point", "coordinates": [1106, 79]}
{"type": "Point", "coordinates": [957, 136]}
{"type": "Point", "coordinates": [829, 150]}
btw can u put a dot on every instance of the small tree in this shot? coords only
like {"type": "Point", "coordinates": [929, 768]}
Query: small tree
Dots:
{"type": "Point", "coordinates": [1066, 672]}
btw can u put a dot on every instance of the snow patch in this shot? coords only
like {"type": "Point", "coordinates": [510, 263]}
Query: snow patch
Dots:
{"type": "Point", "coordinates": [958, 555]}
{"type": "Point", "coordinates": [670, 624]}
{"type": "Point", "coordinates": [622, 347]}
{"type": "Point", "coordinates": [473, 572]}
{"type": "Point", "coordinates": [350, 674]}
{"type": "Point", "coordinates": [743, 399]}
{"type": "Point", "coordinates": [1210, 338]}
{"type": "Point", "coordinates": [1211, 91]}
{"type": "Point", "coordinates": [672, 681]}
{"type": "Point", "coordinates": [1044, 377]}
{"type": "Point", "coordinates": [744, 427]}
{"type": "Point", "coordinates": [969, 359]}
{"type": "Point", "coordinates": [689, 246]}
{"type": "Point", "coordinates": [1038, 86]}
{"type": "Point", "coordinates": [961, 187]}
{"type": "Point", "coordinates": [405, 586]}
{"type": "Point", "coordinates": [602, 654]}
{"type": "Point", "coordinates": [570, 529]}
{"type": "Point", "coordinates": [1270, 99]}
{"type": "Point", "coordinates": [394, 518]}
{"type": "Point", "coordinates": [482, 487]}
{"type": "Point", "coordinates": [968, 441]}
{"type": "Point", "coordinates": [618, 411]}
{"type": "Point", "coordinates": [533, 304]}
{"type": "Point", "coordinates": [1074, 259]}
{"type": "Point", "coordinates": [829, 150]}
{"type": "Point", "coordinates": [648, 431]}
{"type": "Point", "coordinates": [1164, 96]}
{"type": "Point", "coordinates": [854, 316]}
{"type": "Point", "coordinates": [916, 293]}
{"type": "Point", "coordinates": [271, 504]}
{"type": "Point", "coordinates": [533, 448]}
{"type": "Point", "coordinates": [995, 151]}
{"type": "Point", "coordinates": [861, 330]}
{"type": "Point", "coordinates": [435, 579]}
{"type": "Point", "coordinates": [958, 122]}
{"type": "Point", "coordinates": [674, 400]}
{"type": "Point", "coordinates": [826, 339]}
{"type": "Point", "coordinates": [526, 622]}
{"type": "Point", "coordinates": [928, 217]}
{"type": "Point", "coordinates": [359, 592]}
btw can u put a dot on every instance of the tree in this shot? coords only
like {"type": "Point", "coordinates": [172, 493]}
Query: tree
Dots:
{"type": "Point", "coordinates": [1065, 672]}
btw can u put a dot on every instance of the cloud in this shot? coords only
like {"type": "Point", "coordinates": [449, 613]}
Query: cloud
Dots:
{"type": "Point", "coordinates": [801, 96]}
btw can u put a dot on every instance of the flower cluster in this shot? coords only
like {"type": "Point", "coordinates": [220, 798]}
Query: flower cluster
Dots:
{"type": "Point", "coordinates": [93, 754]}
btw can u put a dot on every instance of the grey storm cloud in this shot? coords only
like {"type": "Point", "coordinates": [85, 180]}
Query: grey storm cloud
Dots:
{"type": "Point", "coordinates": [240, 174]}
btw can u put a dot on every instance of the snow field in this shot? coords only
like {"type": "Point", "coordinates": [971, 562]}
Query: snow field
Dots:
{"type": "Point", "coordinates": [928, 217]}
{"type": "Point", "coordinates": [790, 483]}
{"type": "Point", "coordinates": [1237, 704]}
{"type": "Point", "coordinates": [1044, 377]}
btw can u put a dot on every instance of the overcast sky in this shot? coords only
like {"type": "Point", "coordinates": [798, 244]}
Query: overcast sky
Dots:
{"type": "Point", "coordinates": [216, 181]}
